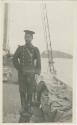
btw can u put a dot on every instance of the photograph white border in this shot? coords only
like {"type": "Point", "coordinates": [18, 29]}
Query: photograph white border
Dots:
{"type": "Point", "coordinates": [74, 61]}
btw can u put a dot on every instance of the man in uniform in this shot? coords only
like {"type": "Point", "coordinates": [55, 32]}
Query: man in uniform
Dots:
{"type": "Point", "coordinates": [28, 63]}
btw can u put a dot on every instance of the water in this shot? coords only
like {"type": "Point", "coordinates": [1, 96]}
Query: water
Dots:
{"type": "Point", "coordinates": [63, 67]}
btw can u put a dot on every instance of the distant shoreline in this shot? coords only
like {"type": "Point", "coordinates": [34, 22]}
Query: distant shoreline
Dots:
{"type": "Point", "coordinates": [57, 54]}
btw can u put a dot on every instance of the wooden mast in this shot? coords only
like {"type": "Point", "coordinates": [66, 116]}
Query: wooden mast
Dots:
{"type": "Point", "coordinates": [5, 35]}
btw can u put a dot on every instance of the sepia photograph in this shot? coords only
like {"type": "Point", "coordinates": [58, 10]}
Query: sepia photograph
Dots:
{"type": "Point", "coordinates": [38, 62]}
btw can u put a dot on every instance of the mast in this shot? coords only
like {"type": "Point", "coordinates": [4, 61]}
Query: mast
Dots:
{"type": "Point", "coordinates": [47, 38]}
{"type": "Point", "coordinates": [5, 35]}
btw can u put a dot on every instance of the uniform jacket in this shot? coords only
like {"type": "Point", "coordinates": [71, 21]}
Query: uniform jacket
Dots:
{"type": "Point", "coordinates": [28, 58]}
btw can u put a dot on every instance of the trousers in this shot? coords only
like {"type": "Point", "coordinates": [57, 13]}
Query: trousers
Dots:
{"type": "Point", "coordinates": [26, 89]}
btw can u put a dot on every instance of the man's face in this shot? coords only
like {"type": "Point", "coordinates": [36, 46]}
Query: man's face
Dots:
{"type": "Point", "coordinates": [28, 38]}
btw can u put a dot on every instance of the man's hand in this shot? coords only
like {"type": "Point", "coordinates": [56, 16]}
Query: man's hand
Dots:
{"type": "Point", "coordinates": [36, 77]}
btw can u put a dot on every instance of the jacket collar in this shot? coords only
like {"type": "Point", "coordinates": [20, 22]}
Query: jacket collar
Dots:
{"type": "Point", "coordinates": [28, 46]}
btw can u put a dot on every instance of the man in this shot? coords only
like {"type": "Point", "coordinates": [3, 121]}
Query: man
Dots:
{"type": "Point", "coordinates": [28, 63]}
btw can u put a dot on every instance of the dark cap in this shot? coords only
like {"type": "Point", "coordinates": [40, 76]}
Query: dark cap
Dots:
{"type": "Point", "coordinates": [29, 32]}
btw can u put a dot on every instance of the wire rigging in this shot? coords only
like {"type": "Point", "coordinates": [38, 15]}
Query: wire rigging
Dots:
{"type": "Point", "coordinates": [47, 37]}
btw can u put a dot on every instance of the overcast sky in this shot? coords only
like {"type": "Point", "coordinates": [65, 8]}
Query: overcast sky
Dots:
{"type": "Point", "coordinates": [28, 16]}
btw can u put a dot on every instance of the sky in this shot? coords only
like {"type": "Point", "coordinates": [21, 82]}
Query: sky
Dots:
{"type": "Point", "coordinates": [28, 15]}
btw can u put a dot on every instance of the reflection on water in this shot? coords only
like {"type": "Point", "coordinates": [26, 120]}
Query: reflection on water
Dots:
{"type": "Point", "coordinates": [63, 69]}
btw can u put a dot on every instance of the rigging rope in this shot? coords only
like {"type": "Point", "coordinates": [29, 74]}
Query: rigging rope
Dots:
{"type": "Point", "coordinates": [47, 37]}
{"type": "Point", "coordinates": [44, 29]}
